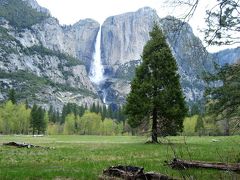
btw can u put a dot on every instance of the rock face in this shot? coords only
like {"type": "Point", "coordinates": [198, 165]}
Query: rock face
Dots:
{"type": "Point", "coordinates": [191, 56]}
{"type": "Point", "coordinates": [47, 62]}
{"type": "Point", "coordinates": [76, 40]}
{"type": "Point", "coordinates": [124, 36]}
{"type": "Point", "coordinates": [228, 56]}
{"type": "Point", "coordinates": [123, 39]}
{"type": "Point", "coordinates": [35, 5]}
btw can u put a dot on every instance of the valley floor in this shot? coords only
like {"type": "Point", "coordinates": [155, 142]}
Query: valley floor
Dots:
{"type": "Point", "coordinates": [85, 157]}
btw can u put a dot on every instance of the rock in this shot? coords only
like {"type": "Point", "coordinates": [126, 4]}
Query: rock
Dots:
{"type": "Point", "coordinates": [35, 5]}
{"type": "Point", "coordinates": [228, 56]}
{"type": "Point", "coordinates": [48, 63]}
{"type": "Point", "coordinates": [123, 36]}
{"type": "Point", "coordinates": [123, 39]}
{"type": "Point", "coordinates": [77, 40]}
{"type": "Point", "coordinates": [51, 62]}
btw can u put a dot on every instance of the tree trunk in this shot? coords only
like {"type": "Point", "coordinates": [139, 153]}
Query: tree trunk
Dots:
{"type": "Point", "coordinates": [154, 125]}
{"type": "Point", "coordinates": [184, 164]}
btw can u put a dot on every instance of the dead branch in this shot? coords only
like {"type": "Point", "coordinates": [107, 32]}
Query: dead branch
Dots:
{"type": "Point", "coordinates": [183, 164]}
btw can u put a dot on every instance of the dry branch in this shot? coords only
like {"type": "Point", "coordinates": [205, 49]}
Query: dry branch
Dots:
{"type": "Point", "coordinates": [183, 164]}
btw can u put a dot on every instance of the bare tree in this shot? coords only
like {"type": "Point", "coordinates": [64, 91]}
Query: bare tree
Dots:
{"type": "Point", "coordinates": [222, 20]}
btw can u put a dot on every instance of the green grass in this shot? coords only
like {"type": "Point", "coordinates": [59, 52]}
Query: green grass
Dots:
{"type": "Point", "coordinates": [84, 157]}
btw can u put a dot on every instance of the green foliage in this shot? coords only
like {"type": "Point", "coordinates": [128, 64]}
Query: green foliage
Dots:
{"type": "Point", "coordinates": [21, 119]}
{"type": "Point", "coordinates": [155, 91]}
{"type": "Point", "coordinates": [72, 108]}
{"type": "Point", "coordinates": [38, 121]}
{"type": "Point", "coordinates": [14, 118]}
{"type": "Point", "coordinates": [223, 96]}
{"type": "Point", "coordinates": [90, 123]}
{"type": "Point", "coordinates": [12, 96]}
{"type": "Point", "coordinates": [110, 127]}
{"type": "Point", "coordinates": [69, 125]}
{"type": "Point", "coordinates": [199, 127]}
{"type": "Point", "coordinates": [19, 14]}
{"type": "Point", "coordinates": [189, 125]}
{"type": "Point", "coordinates": [108, 112]}
{"type": "Point", "coordinates": [54, 128]}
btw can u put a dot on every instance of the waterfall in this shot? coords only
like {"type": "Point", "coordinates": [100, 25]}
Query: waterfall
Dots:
{"type": "Point", "coordinates": [97, 69]}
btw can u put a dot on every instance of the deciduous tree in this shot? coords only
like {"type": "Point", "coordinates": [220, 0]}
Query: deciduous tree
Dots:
{"type": "Point", "coordinates": [223, 96]}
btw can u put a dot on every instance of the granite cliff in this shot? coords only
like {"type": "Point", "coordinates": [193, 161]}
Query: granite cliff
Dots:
{"type": "Point", "coordinates": [48, 63]}
{"type": "Point", "coordinates": [45, 62]}
{"type": "Point", "coordinates": [123, 39]}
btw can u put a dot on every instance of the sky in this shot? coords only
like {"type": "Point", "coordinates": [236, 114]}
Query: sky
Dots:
{"type": "Point", "coordinates": [71, 11]}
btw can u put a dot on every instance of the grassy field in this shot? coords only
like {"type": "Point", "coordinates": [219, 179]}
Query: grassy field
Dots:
{"type": "Point", "coordinates": [84, 157]}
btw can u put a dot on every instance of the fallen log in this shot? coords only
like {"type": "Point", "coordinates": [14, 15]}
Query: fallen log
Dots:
{"type": "Point", "coordinates": [132, 173]}
{"type": "Point", "coordinates": [20, 145]}
{"type": "Point", "coordinates": [183, 164]}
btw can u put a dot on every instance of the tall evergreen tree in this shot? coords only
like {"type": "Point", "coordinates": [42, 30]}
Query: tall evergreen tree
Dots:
{"type": "Point", "coordinates": [104, 112]}
{"type": "Point", "coordinates": [155, 91]}
{"type": "Point", "coordinates": [26, 104]}
{"type": "Point", "coordinates": [93, 108]}
{"type": "Point", "coordinates": [40, 124]}
{"type": "Point", "coordinates": [33, 119]}
{"type": "Point", "coordinates": [12, 96]}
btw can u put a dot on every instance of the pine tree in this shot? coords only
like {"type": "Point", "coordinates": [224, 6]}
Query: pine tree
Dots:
{"type": "Point", "coordinates": [155, 91]}
{"type": "Point", "coordinates": [51, 114]}
{"type": "Point", "coordinates": [93, 108]}
{"type": "Point", "coordinates": [12, 96]}
{"type": "Point", "coordinates": [104, 112]}
{"type": "Point", "coordinates": [26, 104]}
{"type": "Point", "coordinates": [39, 122]}
{"type": "Point", "coordinates": [64, 113]}
{"type": "Point", "coordinates": [34, 115]}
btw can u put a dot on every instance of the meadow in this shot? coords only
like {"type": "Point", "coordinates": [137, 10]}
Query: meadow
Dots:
{"type": "Point", "coordinates": [85, 157]}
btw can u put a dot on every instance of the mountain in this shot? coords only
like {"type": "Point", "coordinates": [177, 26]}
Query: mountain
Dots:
{"type": "Point", "coordinates": [228, 56]}
{"type": "Point", "coordinates": [123, 39]}
{"type": "Point", "coordinates": [44, 61]}
{"type": "Point", "coordinates": [48, 63]}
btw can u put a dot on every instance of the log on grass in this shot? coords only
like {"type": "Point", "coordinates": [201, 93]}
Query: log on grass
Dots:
{"type": "Point", "coordinates": [184, 164]}
{"type": "Point", "coordinates": [20, 145]}
{"type": "Point", "coordinates": [132, 173]}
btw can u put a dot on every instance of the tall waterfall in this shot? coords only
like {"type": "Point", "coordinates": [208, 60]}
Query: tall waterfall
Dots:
{"type": "Point", "coordinates": [97, 69]}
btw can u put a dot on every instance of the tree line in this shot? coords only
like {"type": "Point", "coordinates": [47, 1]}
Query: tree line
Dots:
{"type": "Point", "coordinates": [20, 118]}
{"type": "Point", "coordinates": [104, 111]}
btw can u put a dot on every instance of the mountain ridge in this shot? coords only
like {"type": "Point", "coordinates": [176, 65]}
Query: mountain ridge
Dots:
{"type": "Point", "coordinates": [58, 58]}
